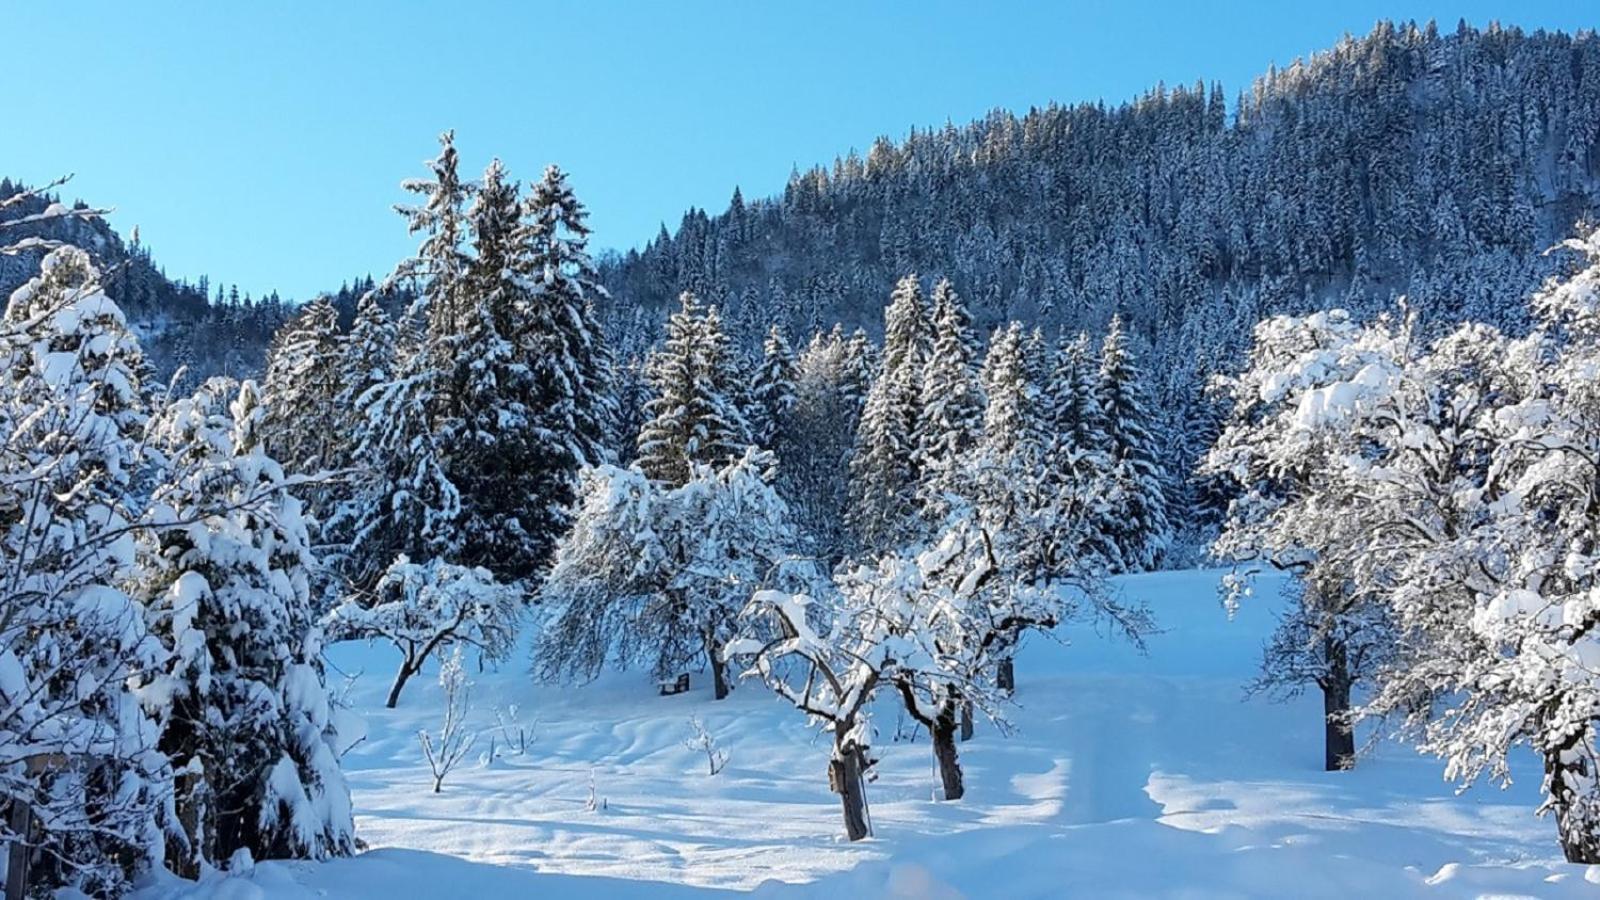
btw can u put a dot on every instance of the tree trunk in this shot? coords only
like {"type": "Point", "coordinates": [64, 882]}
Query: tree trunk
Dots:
{"type": "Point", "coordinates": [844, 773]}
{"type": "Point", "coordinates": [1339, 740]}
{"type": "Point", "coordinates": [1579, 832]}
{"type": "Point", "coordinates": [407, 669]}
{"type": "Point", "coordinates": [966, 720]}
{"type": "Point", "coordinates": [719, 669]}
{"type": "Point", "coordinates": [1005, 677]}
{"type": "Point", "coordinates": [944, 750]}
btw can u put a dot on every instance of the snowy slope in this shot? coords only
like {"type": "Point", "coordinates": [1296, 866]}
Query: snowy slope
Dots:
{"type": "Point", "coordinates": [1127, 775]}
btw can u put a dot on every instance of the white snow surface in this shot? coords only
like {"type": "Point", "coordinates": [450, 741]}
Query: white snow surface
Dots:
{"type": "Point", "coordinates": [1126, 776]}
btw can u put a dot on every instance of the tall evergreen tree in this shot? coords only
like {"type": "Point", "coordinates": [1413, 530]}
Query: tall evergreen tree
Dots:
{"type": "Point", "coordinates": [1141, 533]}
{"type": "Point", "coordinates": [951, 404]}
{"type": "Point", "coordinates": [883, 470]}
{"type": "Point", "coordinates": [774, 390]}
{"type": "Point", "coordinates": [302, 385]}
{"type": "Point", "coordinates": [692, 418]}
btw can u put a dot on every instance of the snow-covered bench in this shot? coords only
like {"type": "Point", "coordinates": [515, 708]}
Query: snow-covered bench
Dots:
{"type": "Point", "coordinates": [672, 686]}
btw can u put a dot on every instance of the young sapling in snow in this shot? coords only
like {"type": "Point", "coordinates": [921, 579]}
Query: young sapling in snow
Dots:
{"type": "Point", "coordinates": [701, 741]}
{"type": "Point", "coordinates": [453, 741]}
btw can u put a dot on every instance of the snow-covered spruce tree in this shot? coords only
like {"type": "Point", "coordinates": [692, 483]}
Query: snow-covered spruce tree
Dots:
{"type": "Point", "coordinates": [1079, 463]}
{"type": "Point", "coordinates": [438, 272]}
{"type": "Point", "coordinates": [951, 403]}
{"type": "Point", "coordinates": [72, 415]}
{"type": "Point", "coordinates": [1036, 518]}
{"type": "Point", "coordinates": [504, 451]}
{"type": "Point", "coordinates": [245, 717]}
{"type": "Point", "coordinates": [1141, 531]}
{"type": "Point", "coordinates": [403, 502]}
{"type": "Point", "coordinates": [813, 464]}
{"type": "Point", "coordinates": [566, 289]}
{"type": "Point", "coordinates": [693, 419]}
{"type": "Point", "coordinates": [301, 386]}
{"type": "Point", "coordinates": [656, 575]}
{"type": "Point", "coordinates": [1296, 508]}
{"type": "Point", "coordinates": [425, 608]}
{"type": "Point", "coordinates": [774, 393]}
{"type": "Point", "coordinates": [883, 469]}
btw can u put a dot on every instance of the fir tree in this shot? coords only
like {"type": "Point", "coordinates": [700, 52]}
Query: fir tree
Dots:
{"type": "Point", "coordinates": [1141, 531]}
{"type": "Point", "coordinates": [692, 418]}
{"type": "Point", "coordinates": [951, 404]}
{"type": "Point", "coordinates": [774, 390]}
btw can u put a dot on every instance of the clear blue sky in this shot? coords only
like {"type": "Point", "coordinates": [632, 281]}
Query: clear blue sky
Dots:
{"type": "Point", "coordinates": [263, 143]}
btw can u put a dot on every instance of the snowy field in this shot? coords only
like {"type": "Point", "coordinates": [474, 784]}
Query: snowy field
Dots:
{"type": "Point", "coordinates": [1126, 776]}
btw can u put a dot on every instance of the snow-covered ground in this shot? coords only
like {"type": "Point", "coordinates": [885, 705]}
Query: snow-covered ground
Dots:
{"type": "Point", "coordinates": [1126, 775]}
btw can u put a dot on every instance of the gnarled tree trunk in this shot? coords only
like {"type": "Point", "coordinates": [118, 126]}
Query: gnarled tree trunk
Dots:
{"type": "Point", "coordinates": [1339, 739]}
{"type": "Point", "coordinates": [719, 668]}
{"type": "Point", "coordinates": [1005, 676]}
{"type": "Point", "coordinates": [943, 730]}
{"type": "Point", "coordinates": [846, 776]}
{"type": "Point", "coordinates": [1567, 772]}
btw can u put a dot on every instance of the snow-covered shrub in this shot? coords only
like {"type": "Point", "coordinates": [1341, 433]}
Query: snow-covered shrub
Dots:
{"type": "Point", "coordinates": [702, 741]}
{"type": "Point", "coordinates": [426, 608]}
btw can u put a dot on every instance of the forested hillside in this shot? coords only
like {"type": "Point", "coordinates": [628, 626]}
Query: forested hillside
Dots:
{"type": "Point", "coordinates": [207, 329]}
{"type": "Point", "coordinates": [1435, 165]}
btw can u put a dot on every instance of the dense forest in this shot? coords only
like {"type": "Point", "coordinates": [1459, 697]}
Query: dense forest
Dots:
{"type": "Point", "coordinates": [1411, 162]}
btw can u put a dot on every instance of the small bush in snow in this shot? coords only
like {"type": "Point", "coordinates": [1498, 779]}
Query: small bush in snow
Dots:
{"type": "Point", "coordinates": [452, 743]}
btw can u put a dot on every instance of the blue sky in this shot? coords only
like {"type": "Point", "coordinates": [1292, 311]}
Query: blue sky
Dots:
{"type": "Point", "coordinates": [263, 143]}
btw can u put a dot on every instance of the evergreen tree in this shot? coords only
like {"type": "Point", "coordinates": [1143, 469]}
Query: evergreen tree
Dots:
{"type": "Point", "coordinates": [774, 390]}
{"type": "Point", "coordinates": [1141, 531]}
{"type": "Point", "coordinates": [692, 418]}
{"type": "Point", "coordinates": [883, 470]}
{"type": "Point", "coordinates": [302, 384]}
{"type": "Point", "coordinates": [245, 716]}
{"type": "Point", "coordinates": [951, 404]}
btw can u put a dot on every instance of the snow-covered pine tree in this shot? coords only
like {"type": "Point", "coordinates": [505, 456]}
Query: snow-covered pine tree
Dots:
{"type": "Point", "coordinates": [404, 501]}
{"type": "Point", "coordinates": [72, 418]}
{"type": "Point", "coordinates": [1140, 530]}
{"type": "Point", "coordinates": [508, 461]}
{"type": "Point", "coordinates": [883, 469]}
{"type": "Point", "coordinates": [245, 716]}
{"type": "Point", "coordinates": [300, 390]}
{"type": "Point", "coordinates": [438, 272]}
{"type": "Point", "coordinates": [566, 288]}
{"type": "Point", "coordinates": [774, 392]}
{"type": "Point", "coordinates": [692, 418]}
{"type": "Point", "coordinates": [951, 403]}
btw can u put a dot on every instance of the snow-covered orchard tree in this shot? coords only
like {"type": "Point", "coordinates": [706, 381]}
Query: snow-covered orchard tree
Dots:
{"type": "Point", "coordinates": [78, 750]}
{"type": "Point", "coordinates": [245, 716]}
{"type": "Point", "coordinates": [1464, 500]}
{"type": "Point", "coordinates": [1298, 510]}
{"type": "Point", "coordinates": [656, 575]}
{"type": "Point", "coordinates": [428, 607]}
{"type": "Point", "coordinates": [832, 677]}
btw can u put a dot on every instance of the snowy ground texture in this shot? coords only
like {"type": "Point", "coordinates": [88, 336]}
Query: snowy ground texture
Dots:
{"type": "Point", "coordinates": [1127, 776]}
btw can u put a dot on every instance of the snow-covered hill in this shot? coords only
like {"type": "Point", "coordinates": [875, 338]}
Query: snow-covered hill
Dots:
{"type": "Point", "coordinates": [1126, 775]}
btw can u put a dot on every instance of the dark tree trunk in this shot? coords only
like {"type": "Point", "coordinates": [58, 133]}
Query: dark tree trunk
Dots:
{"type": "Point", "coordinates": [1580, 834]}
{"type": "Point", "coordinates": [846, 779]}
{"type": "Point", "coordinates": [719, 670]}
{"type": "Point", "coordinates": [1005, 677]}
{"type": "Point", "coordinates": [407, 669]}
{"type": "Point", "coordinates": [966, 720]}
{"type": "Point", "coordinates": [1339, 740]}
{"type": "Point", "coordinates": [944, 750]}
